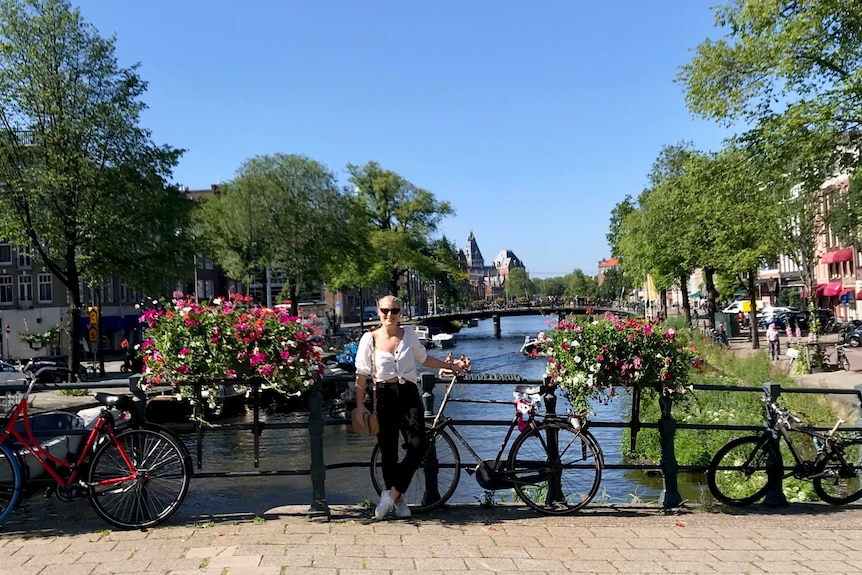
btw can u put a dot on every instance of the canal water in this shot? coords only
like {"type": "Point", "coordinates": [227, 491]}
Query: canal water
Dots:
{"type": "Point", "coordinates": [283, 449]}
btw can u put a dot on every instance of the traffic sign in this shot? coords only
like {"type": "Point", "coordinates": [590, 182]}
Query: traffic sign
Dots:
{"type": "Point", "coordinates": [93, 328]}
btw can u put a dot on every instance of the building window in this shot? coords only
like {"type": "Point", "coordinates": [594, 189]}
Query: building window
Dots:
{"type": "Point", "coordinates": [46, 288]}
{"type": "Point", "coordinates": [108, 296]}
{"type": "Point", "coordinates": [6, 290]}
{"type": "Point", "coordinates": [24, 262]}
{"type": "Point", "coordinates": [5, 254]}
{"type": "Point", "coordinates": [25, 289]}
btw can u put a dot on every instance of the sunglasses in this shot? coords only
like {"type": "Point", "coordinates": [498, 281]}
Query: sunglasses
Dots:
{"type": "Point", "coordinates": [393, 310]}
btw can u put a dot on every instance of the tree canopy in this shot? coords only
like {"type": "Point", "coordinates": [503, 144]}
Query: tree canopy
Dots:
{"type": "Point", "coordinates": [84, 187]}
{"type": "Point", "coordinates": [283, 212]}
{"type": "Point", "coordinates": [403, 219]}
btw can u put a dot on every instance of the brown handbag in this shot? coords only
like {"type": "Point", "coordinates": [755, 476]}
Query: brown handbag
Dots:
{"type": "Point", "coordinates": [368, 425]}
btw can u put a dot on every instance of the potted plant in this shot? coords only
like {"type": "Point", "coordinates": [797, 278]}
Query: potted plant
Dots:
{"type": "Point", "coordinates": [227, 339]}
{"type": "Point", "coordinates": [37, 341]}
{"type": "Point", "coordinates": [590, 358]}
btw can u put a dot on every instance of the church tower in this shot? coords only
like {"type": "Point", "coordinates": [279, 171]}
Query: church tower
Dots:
{"type": "Point", "coordinates": [472, 253]}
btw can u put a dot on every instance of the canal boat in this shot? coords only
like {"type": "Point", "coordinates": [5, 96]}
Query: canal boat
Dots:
{"type": "Point", "coordinates": [423, 334]}
{"type": "Point", "coordinates": [443, 340]}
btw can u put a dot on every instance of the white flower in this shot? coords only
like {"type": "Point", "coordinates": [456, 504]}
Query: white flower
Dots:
{"type": "Point", "coordinates": [577, 359]}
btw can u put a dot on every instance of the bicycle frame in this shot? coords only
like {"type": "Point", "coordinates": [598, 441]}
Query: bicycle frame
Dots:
{"type": "Point", "coordinates": [441, 422]}
{"type": "Point", "coordinates": [48, 461]}
{"type": "Point", "coordinates": [780, 426]}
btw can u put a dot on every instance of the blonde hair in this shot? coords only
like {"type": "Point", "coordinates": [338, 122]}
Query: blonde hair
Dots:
{"type": "Point", "coordinates": [394, 298]}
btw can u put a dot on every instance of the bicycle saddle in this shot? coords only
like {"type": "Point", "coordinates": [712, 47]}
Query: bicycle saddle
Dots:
{"type": "Point", "coordinates": [121, 402]}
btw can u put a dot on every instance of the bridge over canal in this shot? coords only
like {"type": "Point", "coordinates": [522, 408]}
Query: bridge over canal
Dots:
{"type": "Point", "coordinates": [464, 316]}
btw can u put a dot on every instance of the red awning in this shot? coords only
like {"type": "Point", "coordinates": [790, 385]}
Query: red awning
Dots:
{"type": "Point", "coordinates": [818, 290]}
{"type": "Point", "coordinates": [832, 289]}
{"type": "Point", "coordinates": [859, 294]}
{"type": "Point", "coordinates": [842, 255]}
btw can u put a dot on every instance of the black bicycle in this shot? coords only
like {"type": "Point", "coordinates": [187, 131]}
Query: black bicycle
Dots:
{"type": "Point", "coordinates": [740, 471]}
{"type": "Point", "coordinates": [554, 466]}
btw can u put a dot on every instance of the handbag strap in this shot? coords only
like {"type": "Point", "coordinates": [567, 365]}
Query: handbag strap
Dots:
{"type": "Point", "coordinates": [373, 378]}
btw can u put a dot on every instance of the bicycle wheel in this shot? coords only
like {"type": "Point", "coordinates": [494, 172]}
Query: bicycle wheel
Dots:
{"type": "Point", "coordinates": [10, 481]}
{"type": "Point", "coordinates": [150, 495]}
{"type": "Point", "coordinates": [841, 482]}
{"type": "Point", "coordinates": [554, 468]}
{"type": "Point", "coordinates": [435, 480]}
{"type": "Point", "coordinates": [175, 438]}
{"type": "Point", "coordinates": [844, 363]}
{"type": "Point", "coordinates": [738, 473]}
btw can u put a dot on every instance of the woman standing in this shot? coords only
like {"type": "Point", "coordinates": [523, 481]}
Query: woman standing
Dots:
{"type": "Point", "coordinates": [390, 355]}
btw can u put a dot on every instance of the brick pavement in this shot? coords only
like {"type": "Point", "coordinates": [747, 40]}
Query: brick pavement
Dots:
{"type": "Point", "coordinates": [809, 538]}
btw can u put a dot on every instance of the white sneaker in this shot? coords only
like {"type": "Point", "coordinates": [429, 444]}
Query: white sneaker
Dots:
{"type": "Point", "coordinates": [401, 508]}
{"type": "Point", "coordinates": [384, 507]}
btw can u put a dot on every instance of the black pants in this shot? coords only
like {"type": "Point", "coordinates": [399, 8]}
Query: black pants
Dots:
{"type": "Point", "coordinates": [400, 410]}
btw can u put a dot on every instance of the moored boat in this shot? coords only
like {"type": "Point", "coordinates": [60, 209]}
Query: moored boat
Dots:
{"type": "Point", "coordinates": [443, 340]}
{"type": "Point", "coordinates": [423, 335]}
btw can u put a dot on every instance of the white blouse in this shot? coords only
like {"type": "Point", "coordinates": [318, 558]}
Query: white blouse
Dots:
{"type": "Point", "coordinates": [409, 353]}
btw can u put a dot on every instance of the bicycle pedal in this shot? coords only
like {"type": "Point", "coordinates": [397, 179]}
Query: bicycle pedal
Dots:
{"type": "Point", "coordinates": [49, 492]}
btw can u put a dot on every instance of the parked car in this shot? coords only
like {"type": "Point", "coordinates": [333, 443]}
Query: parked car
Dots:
{"type": "Point", "coordinates": [10, 375]}
{"type": "Point", "coordinates": [853, 336]}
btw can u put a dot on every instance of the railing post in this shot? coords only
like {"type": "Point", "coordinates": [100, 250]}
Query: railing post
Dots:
{"type": "Point", "coordinates": [549, 397]}
{"type": "Point", "coordinates": [774, 469]}
{"type": "Point", "coordinates": [319, 509]}
{"type": "Point", "coordinates": [428, 380]}
{"type": "Point", "coordinates": [636, 418]}
{"type": "Point", "coordinates": [670, 496]}
{"type": "Point", "coordinates": [139, 397]}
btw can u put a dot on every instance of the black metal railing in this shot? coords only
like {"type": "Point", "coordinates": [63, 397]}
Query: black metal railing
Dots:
{"type": "Point", "coordinates": [316, 421]}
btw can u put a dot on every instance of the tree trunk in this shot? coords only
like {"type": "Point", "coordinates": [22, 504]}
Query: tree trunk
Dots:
{"type": "Point", "coordinates": [752, 278]}
{"type": "Point", "coordinates": [663, 296]}
{"type": "Point", "coordinates": [712, 294]}
{"type": "Point", "coordinates": [686, 304]}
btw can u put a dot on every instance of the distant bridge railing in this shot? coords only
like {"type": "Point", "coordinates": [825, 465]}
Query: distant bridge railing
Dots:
{"type": "Point", "coordinates": [544, 310]}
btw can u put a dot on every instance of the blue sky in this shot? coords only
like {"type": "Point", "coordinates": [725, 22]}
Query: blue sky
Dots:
{"type": "Point", "coordinates": [534, 119]}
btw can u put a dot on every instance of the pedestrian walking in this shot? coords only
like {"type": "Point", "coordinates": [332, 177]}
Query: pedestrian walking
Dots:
{"type": "Point", "coordinates": [388, 356]}
{"type": "Point", "coordinates": [772, 338]}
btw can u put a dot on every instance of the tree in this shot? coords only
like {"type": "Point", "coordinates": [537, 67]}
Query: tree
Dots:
{"type": "Point", "coordinates": [800, 60]}
{"type": "Point", "coordinates": [403, 217]}
{"type": "Point", "coordinates": [518, 284]}
{"type": "Point", "coordinates": [284, 212]}
{"type": "Point", "coordinates": [84, 187]}
{"type": "Point", "coordinates": [615, 285]}
{"type": "Point", "coordinates": [579, 284]}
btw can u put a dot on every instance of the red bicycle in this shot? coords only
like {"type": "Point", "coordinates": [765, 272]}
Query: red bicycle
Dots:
{"type": "Point", "coordinates": [134, 477]}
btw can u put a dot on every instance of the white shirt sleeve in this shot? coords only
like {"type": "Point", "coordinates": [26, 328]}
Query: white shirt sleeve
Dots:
{"type": "Point", "coordinates": [420, 354]}
{"type": "Point", "coordinates": [363, 354]}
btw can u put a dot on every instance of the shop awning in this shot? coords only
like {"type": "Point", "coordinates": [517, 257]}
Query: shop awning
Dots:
{"type": "Point", "coordinates": [833, 289]}
{"type": "Point", "coordinates": [695, 294]}
{"type": "Point", "coordinates": [818, 290]}
{"type": "Point", "coordinates": [842, 255]}
{"type": "Point", "coordinates": [740, 292]}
